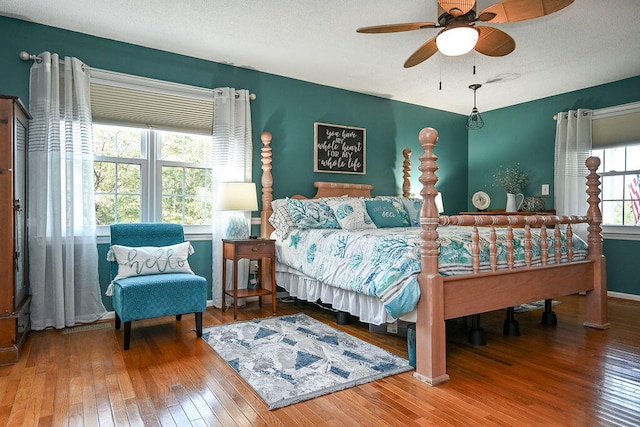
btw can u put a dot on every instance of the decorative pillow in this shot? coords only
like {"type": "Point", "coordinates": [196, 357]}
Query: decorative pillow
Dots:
{"type": "Point", "coordinates": [413, 205]}
{"type": "Point", "coordinates": [281, 219]}
{"type": "Point", "coordinates": [310, 213]}
{"type": "Point", "coordinates": [145, 260]}
{"type": "Point", "coordinates": [351, 213]}
{"type": "Point", "coordinates": [398, 204]}
{"type": "Point", "coordinates": [385, 214]}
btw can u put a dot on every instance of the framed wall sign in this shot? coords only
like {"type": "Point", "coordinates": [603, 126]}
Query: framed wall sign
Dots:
{"type": "Point", "coordinates": [339, 149]}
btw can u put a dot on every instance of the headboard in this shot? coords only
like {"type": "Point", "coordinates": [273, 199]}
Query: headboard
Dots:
{"type": "Point", "coordinates": [324, 189]}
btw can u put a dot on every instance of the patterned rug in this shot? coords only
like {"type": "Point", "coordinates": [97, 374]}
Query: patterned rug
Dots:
{"type": "Point", "coordinates": [536, 305]}
{"type": "Point", "coordinates": [289, 359]}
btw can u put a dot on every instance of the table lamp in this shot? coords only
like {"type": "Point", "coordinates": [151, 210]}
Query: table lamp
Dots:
{"type": "Point", "coordinates": [439, 202]}
{"type": "Point", "coordinates": [239, 197]}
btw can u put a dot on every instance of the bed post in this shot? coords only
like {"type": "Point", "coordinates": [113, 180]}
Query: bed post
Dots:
{"type": "Point", "coordinates": [406, 169]}
{"type": "Point", "coordinates": [431, 352]}
{"type": "Point", "coordinates": [597, 315]}
{"type": "Point", "coordinates": [267, 187]}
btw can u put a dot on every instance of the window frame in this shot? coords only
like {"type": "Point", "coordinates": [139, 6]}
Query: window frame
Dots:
{"type": "Point", "coordinates": [150, 164]}
{"type": "Point", "coordinates": [151, 179]}
{"type": "Point", "coordinates": [611, 231]}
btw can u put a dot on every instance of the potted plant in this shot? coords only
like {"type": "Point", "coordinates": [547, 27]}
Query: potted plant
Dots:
{"type": "Point", "coordinates": [512, 180]}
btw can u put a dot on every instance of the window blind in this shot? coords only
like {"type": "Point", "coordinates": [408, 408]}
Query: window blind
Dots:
{"type": "Point", "coordinates": [616, 126]}
{"type": "Point", "coordinates": [142, 102]}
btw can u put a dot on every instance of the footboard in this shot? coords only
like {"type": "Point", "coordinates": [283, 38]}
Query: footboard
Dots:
{"type": "Point", "coordinates": [449, 297]}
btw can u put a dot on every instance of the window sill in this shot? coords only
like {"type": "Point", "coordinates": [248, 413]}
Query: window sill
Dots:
{"type": "Point", "coordinates": [191, 233]}
{"type": "Point", "coordinates": [619, 232]}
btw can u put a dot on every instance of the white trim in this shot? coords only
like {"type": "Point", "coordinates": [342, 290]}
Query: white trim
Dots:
{"type": "Point", "coordinates": [630, 297]}
{"type": "Point", "coordinates": [620, 232]}
{"type": "Point", "coordinates": [632, 107]}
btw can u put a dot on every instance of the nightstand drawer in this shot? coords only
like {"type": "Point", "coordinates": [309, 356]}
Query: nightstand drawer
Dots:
{"type": "Point", "coordinates": [265, 249]}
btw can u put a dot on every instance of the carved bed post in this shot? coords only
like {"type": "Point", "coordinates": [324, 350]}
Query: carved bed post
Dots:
{"type": "Point", "coordinates": [406, 176]}
{"type": "Point", "coordinates": [267, 187]}
{"type": "Point", "coordinates": [431, 354]}
{"type": "Point", "coordinates": [597, 314]}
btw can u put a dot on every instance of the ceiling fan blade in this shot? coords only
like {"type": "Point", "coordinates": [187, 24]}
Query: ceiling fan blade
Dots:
{"type": "Point", "coordinates": [520, 10]}
{"type": "Point", "coordinates": [423, 53]}
{"type": "Point", "coordinates": [396, 28]}
{"type": "Point", "coordinates": [494, 42]}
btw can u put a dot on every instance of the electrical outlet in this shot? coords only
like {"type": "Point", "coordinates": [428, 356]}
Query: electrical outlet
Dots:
{"type": "Point", "coordinates": [545, 189]}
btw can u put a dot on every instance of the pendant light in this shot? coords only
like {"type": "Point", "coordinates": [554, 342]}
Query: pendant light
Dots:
{"type": "Point", "coordinates": [475, 120]}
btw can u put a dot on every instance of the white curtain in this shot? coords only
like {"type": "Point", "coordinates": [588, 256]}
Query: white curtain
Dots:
{"type": "Point", "coordinates": [63, 255]}
{"type": "Point", "coordinates": [573, 147]}
{"type": "Point", "coordinates": [232, 155]}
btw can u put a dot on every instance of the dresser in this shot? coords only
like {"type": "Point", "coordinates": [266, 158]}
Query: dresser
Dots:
{"type": "Point", "coordinates": [14, 287]}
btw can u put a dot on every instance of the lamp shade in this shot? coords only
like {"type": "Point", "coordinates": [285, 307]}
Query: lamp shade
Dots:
{"type": "Point", "coordinates": [237, 196]}
{"type": "Point", "coordinates": [457, 40]}
{"type": "Point", "coordinates": [439, 202]}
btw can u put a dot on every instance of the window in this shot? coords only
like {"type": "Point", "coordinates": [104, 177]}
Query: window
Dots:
{"type": "Point", "coordinates": [152, 151]}
{"type": "Point", "coordinates": [616, 140]}
{"type": "Point", "coordinates": [150, 175]}
{"type": "Point", "coordinates": [620, 175]}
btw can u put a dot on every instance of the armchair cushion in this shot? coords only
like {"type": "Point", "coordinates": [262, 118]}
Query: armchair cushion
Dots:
{"type": "Point", "coordinates": [156, 295]}
{"type": "Point", "coordinates": [145, 260]}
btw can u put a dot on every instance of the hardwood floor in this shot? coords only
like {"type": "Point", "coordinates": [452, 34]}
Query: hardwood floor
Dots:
{"type": "Point", "coordinates": [564, 375]}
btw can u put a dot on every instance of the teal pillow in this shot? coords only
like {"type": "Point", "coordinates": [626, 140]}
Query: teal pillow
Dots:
{"type": "Point", "coordinates": [385, 214]}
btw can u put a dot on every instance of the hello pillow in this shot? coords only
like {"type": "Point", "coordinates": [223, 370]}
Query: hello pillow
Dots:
{"type": "Point", "coordinates": [146, 260]}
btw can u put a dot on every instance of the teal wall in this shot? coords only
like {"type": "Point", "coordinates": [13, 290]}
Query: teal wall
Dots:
{"type": "Point", "coordinates": [285, 107]}
{"type": "Point", "coordinates": [525, 133]}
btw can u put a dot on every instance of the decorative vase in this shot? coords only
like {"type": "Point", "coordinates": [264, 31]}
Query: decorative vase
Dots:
{"type": "Point", "coordinates": [512, 204]}
{"type": "Point", "coordinates": [533, 204]}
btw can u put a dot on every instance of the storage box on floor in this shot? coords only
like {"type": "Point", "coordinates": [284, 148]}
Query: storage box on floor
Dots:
{"type": "Point", "coordinates": [399, 327]}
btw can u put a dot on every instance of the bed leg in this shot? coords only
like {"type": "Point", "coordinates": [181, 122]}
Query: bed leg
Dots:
{"type": "Point", "coordinates": [477, 335]}
{"type": "Point", "coordinates": [549, 317]}
{"type": "Point", "coordinates": [511, 326]}
{"type": "Point", "coordinates": [343, 318]}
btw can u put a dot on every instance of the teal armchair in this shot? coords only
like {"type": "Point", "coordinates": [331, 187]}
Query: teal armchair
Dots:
{"type": "Point", "coordinates": [174, 290]}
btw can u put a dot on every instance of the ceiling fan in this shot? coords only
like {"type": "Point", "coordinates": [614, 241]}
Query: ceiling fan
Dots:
{"type": "Point", "coordinates": [459, 33]}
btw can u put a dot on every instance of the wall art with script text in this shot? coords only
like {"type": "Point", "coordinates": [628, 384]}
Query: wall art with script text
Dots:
{"type": "Point", "coordinates": [340, 149]}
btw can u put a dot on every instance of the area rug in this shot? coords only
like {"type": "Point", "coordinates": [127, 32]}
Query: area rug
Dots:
{"type": "Point", "coordinates": [536, 305]}
{"type": "Point", "coordinates": [289, 359]}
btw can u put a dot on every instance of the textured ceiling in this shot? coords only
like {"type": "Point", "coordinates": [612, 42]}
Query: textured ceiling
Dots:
{"type": "Point", "coordinates": [588, 43]}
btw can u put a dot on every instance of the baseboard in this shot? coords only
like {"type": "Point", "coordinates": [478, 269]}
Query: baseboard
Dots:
{"type": "Point", "coordinates": [631, 297]}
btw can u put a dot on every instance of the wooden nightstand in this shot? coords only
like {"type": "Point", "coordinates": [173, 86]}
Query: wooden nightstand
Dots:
{"type": "Point", "coordinates": [256, 249]}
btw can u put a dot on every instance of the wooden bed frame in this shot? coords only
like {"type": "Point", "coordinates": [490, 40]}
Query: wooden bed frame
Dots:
{"type": "Point", "coordinates": [449, 297]}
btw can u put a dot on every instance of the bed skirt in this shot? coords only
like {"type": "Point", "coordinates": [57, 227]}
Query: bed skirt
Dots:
{"type": "Point", "coordinates": [367, 308]}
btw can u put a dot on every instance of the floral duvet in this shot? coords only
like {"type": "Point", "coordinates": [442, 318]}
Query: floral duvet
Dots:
{"type": "Point", "coordinates": [385, 262]}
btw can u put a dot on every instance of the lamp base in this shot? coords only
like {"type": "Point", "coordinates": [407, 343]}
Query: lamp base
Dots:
{"type": "Point", "coordinates": [237, 228]}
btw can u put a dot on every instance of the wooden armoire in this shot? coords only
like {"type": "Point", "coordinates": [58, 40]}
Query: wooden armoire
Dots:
{"type": "Point", "coordinates": [14, 287]}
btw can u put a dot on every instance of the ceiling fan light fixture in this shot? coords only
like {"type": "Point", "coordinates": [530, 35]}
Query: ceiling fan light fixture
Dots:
{"type": "Point", "coordinates": [457, 41]}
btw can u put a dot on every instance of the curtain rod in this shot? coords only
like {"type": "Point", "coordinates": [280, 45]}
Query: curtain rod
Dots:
{"type": "Point", "coordinates": [26, 56]}
{"type": "Point", "coordinates": [575, 114]}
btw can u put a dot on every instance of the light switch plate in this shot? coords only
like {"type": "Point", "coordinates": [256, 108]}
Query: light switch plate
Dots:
{"type": "Point", "coordinates": [545, 189]}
